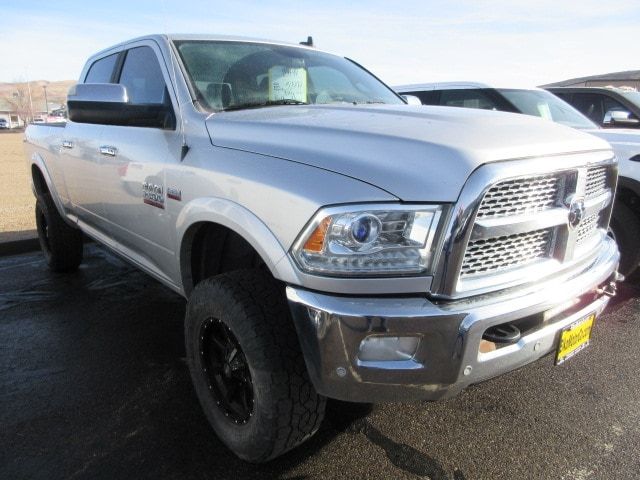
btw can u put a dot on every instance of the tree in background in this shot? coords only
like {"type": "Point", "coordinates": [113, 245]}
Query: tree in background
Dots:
{"type": "Point", "coordinates": [20, 100]}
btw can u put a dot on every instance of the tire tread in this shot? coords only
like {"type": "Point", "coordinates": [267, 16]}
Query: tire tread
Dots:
{"type": "Point", "coordinates": [64, 250]}
{"type": "Point", "coordinates": [269, 333]}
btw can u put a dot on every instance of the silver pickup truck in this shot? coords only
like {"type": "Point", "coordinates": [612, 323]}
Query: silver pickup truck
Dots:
{"type": "Point", "coordinates": [331, 240]}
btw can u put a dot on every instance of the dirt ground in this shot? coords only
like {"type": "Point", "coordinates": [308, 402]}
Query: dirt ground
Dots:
{"type": "Point", "coordinates": [16, 200]}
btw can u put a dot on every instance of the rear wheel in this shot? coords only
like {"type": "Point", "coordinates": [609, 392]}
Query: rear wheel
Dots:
{"type": "Point", "coordinates": [60, 242]}
{"type": "Point", "coordinates": [625, 230]}
{"type": "Point", "coordinates": [246, 365]}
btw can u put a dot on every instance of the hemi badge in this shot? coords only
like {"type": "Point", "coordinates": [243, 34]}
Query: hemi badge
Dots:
{"type": "Point", "coordinates": [174, 194]}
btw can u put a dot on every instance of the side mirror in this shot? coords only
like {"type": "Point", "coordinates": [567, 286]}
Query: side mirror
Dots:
{"type": "Point", "coordinates": [620, 118]}
{"type": "Point", "coordinates": [411, 99]}
{"type": "Point", "coordinates": [108, 104]}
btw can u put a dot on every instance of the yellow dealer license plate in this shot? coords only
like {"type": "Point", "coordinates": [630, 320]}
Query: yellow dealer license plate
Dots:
{"type": "Point", "coordinates": [574, 338]}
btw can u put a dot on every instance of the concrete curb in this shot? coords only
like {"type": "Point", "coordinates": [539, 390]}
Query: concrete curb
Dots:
{"type": "Point", "coordinates": [17, 247]}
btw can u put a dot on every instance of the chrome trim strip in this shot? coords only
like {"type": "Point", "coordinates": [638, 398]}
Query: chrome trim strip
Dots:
{"type": "Point", "coordinates": [502, 226]}
{"type": "Point", "coordinates": [597, 204]}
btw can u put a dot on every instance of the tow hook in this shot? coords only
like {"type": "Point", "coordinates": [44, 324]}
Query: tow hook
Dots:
{"type": "Point", "coordinates": [610, 289]}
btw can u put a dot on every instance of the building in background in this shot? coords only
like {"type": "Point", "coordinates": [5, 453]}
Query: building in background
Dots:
{"type": "Point", "coordinates": [629, 79]}
{"type": "Point", "coordinates": [8, 113]}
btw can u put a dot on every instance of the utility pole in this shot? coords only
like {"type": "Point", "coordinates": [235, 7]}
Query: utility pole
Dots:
{"type": "Point", "coordinates": [46, 103]}
{"type": "Point", "coordinates": [30, 101]}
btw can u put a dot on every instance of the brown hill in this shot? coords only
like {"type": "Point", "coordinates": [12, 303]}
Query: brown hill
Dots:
{"type": "Point", "coordinates": [56, 92]}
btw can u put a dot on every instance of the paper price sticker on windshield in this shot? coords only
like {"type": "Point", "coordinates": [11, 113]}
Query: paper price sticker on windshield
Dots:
{"type": "Point", "coordinates": [287, 83]}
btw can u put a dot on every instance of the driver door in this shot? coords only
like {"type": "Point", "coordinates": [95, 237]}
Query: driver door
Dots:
{"type": "Point", "coordinates": [137, 166]}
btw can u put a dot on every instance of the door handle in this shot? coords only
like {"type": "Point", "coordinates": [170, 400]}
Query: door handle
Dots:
{"type": "Point", "coordinates": [67, 144]}
{"type": "Point", "coordinates": [108, 151]}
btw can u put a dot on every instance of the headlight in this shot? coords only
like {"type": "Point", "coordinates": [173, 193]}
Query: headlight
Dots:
{"type": "Point", "coordinates": [380, 240]}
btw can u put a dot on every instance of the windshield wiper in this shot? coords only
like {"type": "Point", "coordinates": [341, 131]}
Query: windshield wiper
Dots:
{"type": "Point", "coordinates": [268, 103]}
{"type": "Point", "coordinates": [367, 102]}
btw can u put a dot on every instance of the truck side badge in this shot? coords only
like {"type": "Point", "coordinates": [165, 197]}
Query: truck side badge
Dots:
{"type": "Point", "coordinates": [153, 195]}
{"type": "Point", "coordinates": [174, 194]}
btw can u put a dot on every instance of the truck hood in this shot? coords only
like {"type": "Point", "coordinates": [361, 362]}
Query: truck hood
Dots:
{"type": "Point", "coordinates": [617, 135]}
{"type": "Point", "coordinates": [626, 145]}
{"type": "Point", "coordinates": [415, 153]}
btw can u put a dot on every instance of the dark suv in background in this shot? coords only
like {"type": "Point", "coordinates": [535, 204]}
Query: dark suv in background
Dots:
{"type": "Point", "coordinates": [607, 107]}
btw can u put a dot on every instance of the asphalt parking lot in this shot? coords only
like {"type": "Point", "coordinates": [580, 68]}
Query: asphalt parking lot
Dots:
{"type": "Point", "coordinates": [93, 384]}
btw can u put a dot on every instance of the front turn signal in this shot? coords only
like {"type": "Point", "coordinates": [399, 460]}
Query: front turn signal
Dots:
{"type": "Point", "coordinates": [315, 242]}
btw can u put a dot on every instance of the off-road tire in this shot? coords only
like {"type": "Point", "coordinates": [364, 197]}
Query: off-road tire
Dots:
{"type": "Point", "coordinates": [61, 244]}
{"type": "Point", "coordinates": [625, 227]}
{"type": "Point", "coordinates": [286, 408]}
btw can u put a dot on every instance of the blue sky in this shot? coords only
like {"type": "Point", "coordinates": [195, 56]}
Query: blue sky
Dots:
{"type": "Point", "coordinates": [514, 43]}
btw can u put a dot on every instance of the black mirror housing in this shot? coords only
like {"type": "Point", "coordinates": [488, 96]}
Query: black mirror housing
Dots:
{"type": "Point", "coordinates": [108, 104]}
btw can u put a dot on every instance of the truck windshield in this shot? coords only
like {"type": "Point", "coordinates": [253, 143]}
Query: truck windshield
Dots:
{"type": "Point", "coordinates": [541, 103]}
{"type": "Point", "coordinates": [230, 75]}
{"type": "Point", "coordinates": [634, 97]}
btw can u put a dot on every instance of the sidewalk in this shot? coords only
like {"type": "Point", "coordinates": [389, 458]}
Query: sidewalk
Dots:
{"type": "Point", "coordinates": [17, 203]}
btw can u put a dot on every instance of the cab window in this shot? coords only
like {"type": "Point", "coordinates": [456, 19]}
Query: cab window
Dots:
{"type": "Point", "coordinates": [595, 105]}
{"type": "Point", "coordinates": [142, 76]}
{"type": "Point", "coordinates": [101, 71]}
{"type": "Point", "coordinates": [467, 98]}
{"type": "Point", "coordinates": [427, 97]}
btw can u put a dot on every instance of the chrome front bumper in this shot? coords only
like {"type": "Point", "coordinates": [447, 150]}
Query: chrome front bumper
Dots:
{"type": "Point", "coordinates": [448, 358]}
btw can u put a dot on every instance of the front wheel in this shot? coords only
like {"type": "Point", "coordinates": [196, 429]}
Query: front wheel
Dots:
{"type": "Point", "coordinates": [246, 365]}
{"type": "Point", "coordinates": [625, 230]}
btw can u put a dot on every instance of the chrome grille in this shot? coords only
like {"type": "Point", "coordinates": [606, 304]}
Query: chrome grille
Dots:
{"type": "Point", "coordinates": [521, 229]}
{"type": "Point", "coordinates": [596, 182]}
{"type": "Point", "coordinates": [520, 196]}
{"type": "Point", "coordinates": [587, 228]}
{"type": "Point", "coordinates": [500, 253]}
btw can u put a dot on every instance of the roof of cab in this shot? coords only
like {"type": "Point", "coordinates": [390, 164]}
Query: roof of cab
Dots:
{"type": "Point", "coordinates": [163, 38]}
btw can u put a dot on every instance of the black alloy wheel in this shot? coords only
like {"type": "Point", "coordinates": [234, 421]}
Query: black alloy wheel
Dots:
{"type": "Point", "coordinates": [226, 370]}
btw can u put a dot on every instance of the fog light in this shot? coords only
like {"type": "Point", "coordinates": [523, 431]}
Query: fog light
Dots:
{"type": "Point", "coordinates": [377, 348]}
